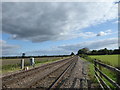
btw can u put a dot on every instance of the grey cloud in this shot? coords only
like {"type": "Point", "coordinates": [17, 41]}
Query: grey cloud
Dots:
{"type": "Point", "coordinates": [101, 34]}
{"type": "Point", "coordinates": [8, 49]}
{"type": "Point", "coordinates": [49, 52]}
{"type": "Point", "coordinates": [92, 44]}
{"type": "Point", "coordinates": [67, 49]}
{"type": "Point", "coordinates": [107, 32]}
{"type": "Point", "coordinates": [41, 21]}
{"type": "Point", "coordinates": [60, 1]}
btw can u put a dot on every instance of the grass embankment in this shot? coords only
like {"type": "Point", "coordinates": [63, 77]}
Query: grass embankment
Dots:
{"type": "Point", "coordinates": [107, 59]}
{"type": "Point", "coordinates": [91, 77]}
{"type": "Point", "coordinates": [110, 60]}
{"type": "Point", "coordinates": [11, 65]}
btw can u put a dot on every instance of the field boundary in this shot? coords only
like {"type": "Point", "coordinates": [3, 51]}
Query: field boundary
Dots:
{"type": "Point", "coordinates": [99, 74]}
{"type": "Point", "coordinates": [23, 71]}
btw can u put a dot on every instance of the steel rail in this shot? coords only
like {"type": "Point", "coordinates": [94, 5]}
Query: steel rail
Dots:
{"type": "Point", "coordinates": [8, 80]}
{"type": "Point", "coordinates": [37, 80]}
{"type": "Point", "coordinates": [55, 83]}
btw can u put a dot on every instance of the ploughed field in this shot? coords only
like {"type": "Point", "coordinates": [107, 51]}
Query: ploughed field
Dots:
{"type": "Point", "coordinates": [65, 73]}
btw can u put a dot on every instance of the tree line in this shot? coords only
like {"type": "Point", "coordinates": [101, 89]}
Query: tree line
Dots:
{"type": "Point", "coordinates": [104, 51]}
{"type": "Point", "coordinates": [84, 51]}
{"type": "Point", "coordinates": [14, 57]}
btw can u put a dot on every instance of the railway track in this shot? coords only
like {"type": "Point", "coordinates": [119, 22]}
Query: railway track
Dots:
{"type": "Point", "coordinates": [55, 78]}
{"type": "Point", "coordinates": [63, 76]}
{"type": "Point", "coordinates": [31, 78]}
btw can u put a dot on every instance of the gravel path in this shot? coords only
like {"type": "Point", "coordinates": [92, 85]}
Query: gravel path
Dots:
{"type": "Point", "coordinates": [78, 76]}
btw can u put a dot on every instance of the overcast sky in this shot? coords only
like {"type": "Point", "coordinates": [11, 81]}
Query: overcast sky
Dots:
{"type": "Point", "coordinates": [44, 28]}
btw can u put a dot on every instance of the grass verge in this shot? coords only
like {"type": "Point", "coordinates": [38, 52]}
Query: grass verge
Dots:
{"type": "Point", "coordinates": [91, 77]}
{"type": "Point", "coordinates": [108, 59]}
{"type": "Point", "coordinates": [108, 73]}
{"type": "Point", "coordinates": [15, 67]}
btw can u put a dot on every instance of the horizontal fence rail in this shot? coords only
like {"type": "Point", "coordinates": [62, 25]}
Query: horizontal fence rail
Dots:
{"type": "Point", "coordinates": [98, 69]}
{"type": "Point", "coordinates": [107, 66]}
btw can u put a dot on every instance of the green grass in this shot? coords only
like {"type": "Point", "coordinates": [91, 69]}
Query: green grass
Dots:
{"type": "Point", "coordinates": [27, 60]}
{"type": "Point", "coordinates": [90, 70]}
{"type": "Point", "coordinates": [11, 67]}
{"type": "Point", "coordinates": [111, 75]}
{"type": "Point", "coordinates": [108, 59]}
{"type": "Point", "coordinates": [111, 60]}
{"type": "Point", "coordinates": [91, 74]}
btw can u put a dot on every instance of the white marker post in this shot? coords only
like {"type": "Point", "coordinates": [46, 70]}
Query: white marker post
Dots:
{"type": "Point", "coordinates": [32, 61]}
{"type": "Point", "coordinates": [22, 63]}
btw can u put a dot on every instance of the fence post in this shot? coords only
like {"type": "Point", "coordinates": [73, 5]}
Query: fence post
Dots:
{"type": "Point", "coordinates": [32, 62]}
{"type": "Point", "coordinates": [22, 63]}
{"type": "Point", "coordinates": [118, 77]}
{"type": "Point", "coordinates": [95, 65]}
{"type": "Point", "coordinates": [100, 68]}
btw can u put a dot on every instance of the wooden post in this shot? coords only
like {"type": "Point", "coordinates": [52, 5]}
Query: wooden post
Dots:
{"type": "Point", "coordinates": [100, 68]}
{"type": "Point", "coordinates": [118, 77]}
{"type": "Point", "coordinates": [22, 63]}
{"type": "Point", "coordinates": [95, 64]}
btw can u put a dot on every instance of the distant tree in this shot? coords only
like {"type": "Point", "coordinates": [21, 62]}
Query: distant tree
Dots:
{"type": "Point", "coordinates": [94, 52]}
{"type": "Point", "coordinates": [86, 50]}
{"type": "Point", "coordinates": [110, 51]}
{"type": "Point", "coordinates": [83, 51]}
{"type": "Point", "coordinates": [116, 51]}
{"type": "Point", "coordinates": [105, 51]}
{"type": "Point", "coordinates": [102, 51]}
{"type": "Point", "coordinates": [23, 54]}
{"type": "Point", "coordinates": [72, 53]}
{"type": "Point", "coordinates": [79, 52]}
